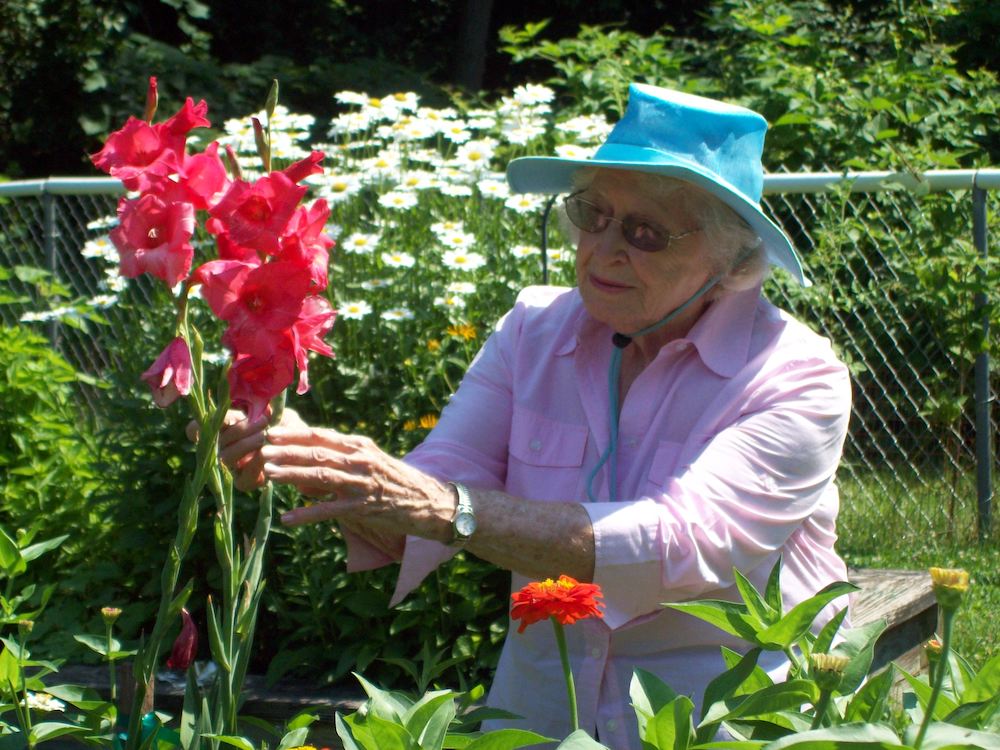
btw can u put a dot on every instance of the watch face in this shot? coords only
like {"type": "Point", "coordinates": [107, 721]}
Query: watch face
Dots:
{"type": "Point", "coordinates": [465, 524]}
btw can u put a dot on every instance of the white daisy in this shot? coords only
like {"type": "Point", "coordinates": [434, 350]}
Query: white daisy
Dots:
{"type": "Point", "coordinates": [524, 251]}
{"type": "Point", "coordinates": [103, 301]}
{"type": "Point", "coordinates": [372, 284]}
{"type": "Point", "coordinates": [442, 229]}
{"type": "Point", "coordinates": [398, 259]}
{"type": "Point", "coordinates": [574, 151]}
{"type": "Point", "coordinates": [456, 132]}
{"type": "Point", "coordinates": [533, 93]}
{"type": "Point", "coordinates": [352, 97]}
{"type": "Point", "coordinates": [349, 123]}
{"type": "Point", "coordinates": [525, 203]}
{"type": "Point", "coordinates": [104, 222]}
{"type": "Point", "coordinates": [463, 261]}
{"type": "Point", "coordinates": [338, 186]}
{"type": "Point", "coordinates": [523, 133]}
{"type": "Point", "coordinates": [398, 200]}
{"type": "Point", "coordinates": [397, 313]}
{"type": "Point", "coordinates": [455, 240]}
{"type": "Point", "coordinates": [450, 300]}
{"type": "Point", "coordinates": [354, 310]}
{"type": "Point", "coordinates": [475, 155]}
{"type": "Point", "coordinates": [461, 287]}
{"type": "Point", "coordinates": [493, 188]}
{"type": "Point", "coordinates": [100, 248]}
{"type": "Point", "coordinates": [455, 191]}
{"type": "Point", "coordinates": [360, 243]}
{"type": "Point", "coordinates": [44, 702]}
{"type": "Point", "coordinates": [417, 179]}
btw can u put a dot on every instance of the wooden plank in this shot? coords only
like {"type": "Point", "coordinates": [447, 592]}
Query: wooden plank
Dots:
{"type": "Point", "coordinates": [896, 595]}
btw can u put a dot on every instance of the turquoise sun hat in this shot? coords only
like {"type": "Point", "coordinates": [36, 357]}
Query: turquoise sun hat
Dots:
{"type": "Point", "coordinates": [711, 144]}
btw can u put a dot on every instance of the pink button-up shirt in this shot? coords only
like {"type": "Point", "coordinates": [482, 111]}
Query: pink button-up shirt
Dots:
{"type": "Point", "coordinates": [728, 444]}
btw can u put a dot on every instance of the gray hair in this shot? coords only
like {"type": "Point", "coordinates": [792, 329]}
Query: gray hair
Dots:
{"type": "Point", "coordinates": [736, 252]}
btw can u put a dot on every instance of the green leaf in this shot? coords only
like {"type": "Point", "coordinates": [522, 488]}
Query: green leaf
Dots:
{"type": "Point", "coordinates": [829, 631]}
{"type": "Point", "coordinates": [942, 735]}
{"type": "Point", "coordinates": [859, 645]}
{"type": "Point", "coordinates": [986, 684]}
{"type": "Point", "coordinates": [510, 739]}
{"type": "Point", "coordinates": [871, 702]}
{"type": "Point", "coordinates": [294, 738]}
{"type": "Point", "coordinates": [345, 733]}
{"type": "Point", "coordinates": [383, 703]}
{"type": "Point", "coordinates": [756, 606]}
{"type": "Point", "coordinates": [85, 699]}
{"type": "Point", "coordinates": [230, 739]}
{"type": "Point", "coordinates": [793, 118]}
{"type": "Point", "coordinates": [388, 735]}
{"type": "Point", "coordinates": [49, 730]}
{"type": "Point", "coordinates": [945, 703]}
{"type": "Point", "coordinates": [727, 616]}
{"type": "Point", "coordinates": [580, 740]}
{"type": "Point", "coordinates": [779, 697]}
{"type": "Point", "coordinates": [723, 687]}
{"type": "Point", "coordinates": [867, 736]}
{"type": "Point", "coordinates": [671, 728]}
{"type": "Point", "coordinates": [429, 718]}
{"type": "Point", "coordinates": [10, 556]}
{"type": "Point", "coordinates": [96, 643]}
{"type": "Point", "coordinates": [792, 626]}
{"type": "Point", "coordinates": [34, 551]}
{"type": "Point", "coordinates": [772, 592]}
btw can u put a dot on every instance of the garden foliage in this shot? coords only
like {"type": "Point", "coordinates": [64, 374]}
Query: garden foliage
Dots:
{"type": "Point", "coordinates": [432, 249]}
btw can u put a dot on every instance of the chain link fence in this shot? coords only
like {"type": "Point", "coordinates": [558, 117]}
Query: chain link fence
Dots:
{"type": "Point", "coordinates": [919, 454]}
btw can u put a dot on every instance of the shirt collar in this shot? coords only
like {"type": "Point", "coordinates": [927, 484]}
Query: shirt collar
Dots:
{"type": "Point", "coordinates": [721, 335]}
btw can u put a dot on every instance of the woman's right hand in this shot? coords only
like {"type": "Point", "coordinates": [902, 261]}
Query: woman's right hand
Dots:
{"type": "Point", "coordinates": [240, 441]}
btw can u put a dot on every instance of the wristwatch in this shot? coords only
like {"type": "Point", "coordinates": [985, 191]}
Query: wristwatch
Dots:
{"type": "Point", "coordinates": [463, 523]}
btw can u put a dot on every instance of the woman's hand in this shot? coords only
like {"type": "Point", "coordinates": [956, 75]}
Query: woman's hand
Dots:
{"type": "Point", "coordinates": [357, 484]}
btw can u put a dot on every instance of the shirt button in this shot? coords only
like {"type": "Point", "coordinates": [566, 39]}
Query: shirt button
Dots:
{"type": "Point", "coordinates": [631, 442]}
{"type": "Point", "coordinates": [612, 725]}
{"type": "Point", "coordinates": [595, 652]}
{"type": "Point", "coordinates": [535, 445]}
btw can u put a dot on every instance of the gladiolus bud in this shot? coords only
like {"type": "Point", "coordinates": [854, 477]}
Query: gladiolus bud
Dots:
{"type": "Point", "coordinates": [263, 147]}
{"type": "Point", "coordinates": [950, 585]}
{"type": "Point", "coordinates": [170, 376]}
{"type": "Point", "coordinates": [186, 646]}
{"type": "Point", "coordinates": [151, 100]}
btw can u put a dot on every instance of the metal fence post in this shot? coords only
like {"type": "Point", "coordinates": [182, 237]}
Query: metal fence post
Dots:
{"type": "Point", "coordinates": [50, 233]}
{"type": "Point", "coordinates": [984, 441]}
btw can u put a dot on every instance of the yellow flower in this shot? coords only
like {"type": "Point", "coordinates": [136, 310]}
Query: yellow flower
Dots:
{"type": "Point", "coordinates": [110, 614]}
{"type": "Point", "coordinates": [828, 670]}
{"type": "Point", "coordinates": [410, 425]}
{"type": "Point", "coordinates": [462, 330]}
{"type": "Point", "coordinates": [433, 345]}
{"type": "Point", "coordinates": [950, 585]}
{"type": "Point", "coordinates": [428, 421]}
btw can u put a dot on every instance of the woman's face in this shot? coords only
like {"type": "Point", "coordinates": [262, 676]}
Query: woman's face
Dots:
{"type": "Point", "coordinates": [629, 289]}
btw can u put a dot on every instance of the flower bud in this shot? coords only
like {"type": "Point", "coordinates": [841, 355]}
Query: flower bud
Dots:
{"type": "Point", "coordinates": [25, 626]}
{"type": "Point", "coordinates": [151, 100]}
{"type": "Point", "coordinates": [950, 585]}
{"type": "Point", "coordinates": [186, 646]}
{"type": "Point", "coordinates": [110, 614]}
{"type": "Point", "coordinates": [828, 670]}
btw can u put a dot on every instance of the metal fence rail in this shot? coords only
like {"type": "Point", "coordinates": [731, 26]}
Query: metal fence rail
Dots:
{"type": "Point", "coordinates": [904, 460]}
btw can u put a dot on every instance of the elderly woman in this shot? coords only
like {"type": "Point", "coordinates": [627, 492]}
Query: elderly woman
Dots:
{"type": "Point", "coordinates": [649, 430]}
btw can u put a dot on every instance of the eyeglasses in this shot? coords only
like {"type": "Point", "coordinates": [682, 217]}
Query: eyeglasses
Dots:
{"type": "Point", "coordinates": [641, 234]}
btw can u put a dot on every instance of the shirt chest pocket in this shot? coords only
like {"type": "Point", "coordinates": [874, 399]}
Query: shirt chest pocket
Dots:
{"type": "Point", "coordinates": [546, 456]}
{"type": "Point", "coordinates": [540, 441]}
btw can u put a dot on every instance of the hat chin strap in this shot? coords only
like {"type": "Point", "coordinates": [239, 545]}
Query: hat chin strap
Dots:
{"type": "Point", "coordinates": [620, 341]}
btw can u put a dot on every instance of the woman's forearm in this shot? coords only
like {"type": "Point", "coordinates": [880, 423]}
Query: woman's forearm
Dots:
{"type": "Point", "coordinates": [535, 539]}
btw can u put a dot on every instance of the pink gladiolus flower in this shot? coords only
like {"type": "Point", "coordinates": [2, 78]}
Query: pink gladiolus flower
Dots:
{"type": "Point", "coordinates": [153, 236]}
{"type": "Point", "coordinates": [305, 245]}
{"type": "Point", "coordinates": [255, 215]}
{"type": "Point", "coordinates": [315, 321]}
{"type": "Point", "coordinates": [254, 381]}
{"type": "Point", "coordinates": [304, 167]}
{"type": "Point", "coordinates": [140, 154]}
{"type": "Point", "coordinates": [186, 646]}
{"type": "Point", "coordinates": [204, 177]}
{"type": "Point", "coordinates": [229, 250]}
{"type": "Point", "coordinates": [170, 375]}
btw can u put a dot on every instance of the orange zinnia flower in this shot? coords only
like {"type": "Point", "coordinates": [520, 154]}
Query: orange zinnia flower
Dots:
{"type": "Point", "coordinates": [567, 600]}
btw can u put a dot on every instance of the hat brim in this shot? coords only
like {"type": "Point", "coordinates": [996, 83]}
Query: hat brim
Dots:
{"type": "Point", "coordinates": [553, 174]}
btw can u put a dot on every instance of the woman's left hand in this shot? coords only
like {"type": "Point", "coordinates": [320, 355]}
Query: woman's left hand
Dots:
{"type": "Point", "coordinates": [356, 483]}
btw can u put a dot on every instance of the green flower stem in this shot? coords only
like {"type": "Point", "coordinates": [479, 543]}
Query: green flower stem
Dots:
{"type": "Point", "coordinates": [948, 620]}
{"type": "Point", "coordinates": [111, 663]}
{"type": "Point", "coordinates": [24, 687]}
{"type": "Point", "coordinates": [567, 673]}
{"type": "Point", "coordinates": [821, 707]}
{"type": "Point", "coordinates": [206, 468]}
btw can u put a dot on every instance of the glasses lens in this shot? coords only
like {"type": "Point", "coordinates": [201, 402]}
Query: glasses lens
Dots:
{"type": "Point", "coordinates": [585, 215]}
{"type": "Point", "coordinates": [644, 236]}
